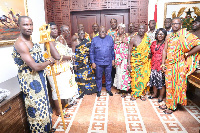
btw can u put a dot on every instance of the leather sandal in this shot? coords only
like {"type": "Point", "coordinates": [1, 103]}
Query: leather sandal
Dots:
{"type": "Point", "coordinates": [160, 100]}
{"type": "Point", "coordinates": [143, 98]}
{"type": "Point", "coordinates": [168, 111]}
{"type": "Point", "coordinates": [132, 98]}
{"type": "Point", "coordinates": [151, 97]}
{"type": "Point", "coordinates": [52, 130]}
{"type": "Point", "coordinates": [123, 95]}
{"type": "Point", "coordinates": [162, 107]}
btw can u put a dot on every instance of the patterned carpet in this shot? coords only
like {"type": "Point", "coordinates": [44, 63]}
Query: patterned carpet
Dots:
{"type": "Point", "coordinates": [114, 114]}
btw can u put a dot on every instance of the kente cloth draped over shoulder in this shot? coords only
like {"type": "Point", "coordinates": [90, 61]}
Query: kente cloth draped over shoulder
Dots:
{"type": "Point", "coordinates": [141, 67]}
{"type": "Point", "coordinates": [122, 77]}
{"type": "Point", "coordinates": [65, 79]}
{"type": "Point", "coordinates": [178, 68]}
{"type": "Point", "coordinates": [33, 86]}
{"type": "Point", "coordinates": [85, 76]}
{"type": "Point", "coordinates": [112, 33]}
{"type": "Point", "coordinates": [87, 36]}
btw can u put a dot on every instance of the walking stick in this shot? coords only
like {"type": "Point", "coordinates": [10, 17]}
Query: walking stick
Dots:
{"type": "Point", "coordinates": [45, 38]}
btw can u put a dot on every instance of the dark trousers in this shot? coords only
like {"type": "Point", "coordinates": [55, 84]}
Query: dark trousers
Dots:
{"type": "Point", "coordinates": [99, 72]}
{"type": "Point", "coordinates": [113, 74]}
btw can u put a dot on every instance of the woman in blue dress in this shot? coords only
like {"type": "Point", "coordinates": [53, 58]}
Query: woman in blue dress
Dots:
{"type": "Point", "coordinates": [31, 77]}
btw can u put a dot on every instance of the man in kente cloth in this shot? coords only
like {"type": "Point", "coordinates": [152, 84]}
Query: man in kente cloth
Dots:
{"type": "Point", "coordinates": [139, 63]}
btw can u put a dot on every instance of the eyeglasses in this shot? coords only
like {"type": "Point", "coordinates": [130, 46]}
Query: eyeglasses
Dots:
{"type": "Point", "coordinates": [176, 23]}
{"type": "Point", "coordinates": [161, 34]}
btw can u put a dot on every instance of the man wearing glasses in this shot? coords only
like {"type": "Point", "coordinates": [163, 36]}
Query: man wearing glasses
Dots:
{"type": "Point", "coordinates": [179, 59]}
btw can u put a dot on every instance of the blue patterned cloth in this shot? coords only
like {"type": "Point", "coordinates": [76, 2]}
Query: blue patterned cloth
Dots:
{"type": "Point", "coordinates": [35, 95]}
{"type": "Point", "coordinates": [85, 76]}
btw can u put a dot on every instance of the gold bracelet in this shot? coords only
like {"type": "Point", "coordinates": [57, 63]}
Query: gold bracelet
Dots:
{"type": "Point", "coordinates": [162, 65]}
{"type": "Point", "coordinates": [61, 57]}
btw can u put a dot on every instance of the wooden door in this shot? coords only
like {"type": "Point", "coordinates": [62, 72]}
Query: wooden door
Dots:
{"type": "Point", "coordinates": [87, 18]}
{"type": "Point", "coordinates": [103, 17]}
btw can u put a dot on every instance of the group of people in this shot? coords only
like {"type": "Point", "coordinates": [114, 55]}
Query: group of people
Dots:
{"type": "Point", "coordinates": [132, 62]}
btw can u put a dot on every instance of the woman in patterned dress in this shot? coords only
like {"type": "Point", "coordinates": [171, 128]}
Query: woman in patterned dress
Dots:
{"type": "Point", "coordinates": [67, 86]}
{"type": "Point", "coordinates": [157, 77]}
{"type": "Point", "coordinates": [122, 76]}
{"type": "Point", "coordinates": [31, 77]}
{"type": "Point", "coordinates": [85, 76]}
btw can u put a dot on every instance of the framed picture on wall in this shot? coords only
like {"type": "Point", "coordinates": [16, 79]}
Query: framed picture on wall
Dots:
{"type": "Point", "coordinates": [10, 10]}
{"type": "Point", "coordinates": [187, 11]}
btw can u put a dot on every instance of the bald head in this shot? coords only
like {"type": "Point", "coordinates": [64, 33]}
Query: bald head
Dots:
{"type": "Point", "coordinates": [80, 27]}
{"type": "Point", "coordinates": [65, 30]}
{"type": "Point", "coordinates": [141, 29]}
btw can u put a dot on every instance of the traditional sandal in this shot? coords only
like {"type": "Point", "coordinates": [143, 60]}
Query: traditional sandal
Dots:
{"type": "Point", "coordinates": [168, 111]}
{"type": "Point", "coordinates": [151, 97]}
{"type": "Point", "coordinates": [162, 107]}
{"type": "Point", "coordinates": [132, 98]}
{"type": "Point", "coordinates": [65, 115]}
{"type": "Point", "coordinates": [52, 130]}
{"type": "Point", "coordinates": [123, 95]}
{"type": "Point", "coordinates": [143, 98]}
{"type": "Point", "coordinates": [159, 100]}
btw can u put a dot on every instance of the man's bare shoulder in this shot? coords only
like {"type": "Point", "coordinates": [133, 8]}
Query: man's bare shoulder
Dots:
{"type": "Point", "coordinates": [20, 46]}
{"type": "Point", "coordinates": [135, 37]}
{"type": "Point", "coordinates": [74, 43]}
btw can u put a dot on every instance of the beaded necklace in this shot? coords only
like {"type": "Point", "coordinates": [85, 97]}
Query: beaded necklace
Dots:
{"type": "Point", "coordinates": [157, 48]}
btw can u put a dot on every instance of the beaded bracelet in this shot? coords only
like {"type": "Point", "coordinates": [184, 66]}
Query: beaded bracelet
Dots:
{"type": "Point", "coordinates": [163, 65]}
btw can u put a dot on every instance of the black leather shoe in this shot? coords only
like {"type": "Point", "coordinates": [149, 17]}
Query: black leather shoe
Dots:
{"type": "Point", "coordinates": [110, 93]}
{"type": "Point", "coordinates": [98, 93]}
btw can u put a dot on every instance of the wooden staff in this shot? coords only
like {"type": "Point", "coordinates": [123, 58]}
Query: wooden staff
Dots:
{"type": "Point", "coordinates": [45, 38]}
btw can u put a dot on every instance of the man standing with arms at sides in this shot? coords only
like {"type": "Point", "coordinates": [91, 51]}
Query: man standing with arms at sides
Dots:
{"type": "Point", "coordinates": [139, 63]}
{"type": "Point", "coordinates": [152, 31]}
{"type": "Point", "coordinates": [168, 25]}
{"type": "Point", "coordinates": [179, 59]}
{"type": "Point", "coordinates": [95, 28]}
{"type": "Point", "coordinates": [102, 58]}
{"type": "Point", "coordinates": [131, 32]}
{"type": "Point", "coordinates": [196, 27]}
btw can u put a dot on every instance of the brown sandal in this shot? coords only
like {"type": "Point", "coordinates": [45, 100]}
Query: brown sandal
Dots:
{"type": "Point", "coordinates": [123, 95]}
{"type": "Point", "coordinates": [168, 111]}
{"type": "Point", "coordinates": [163, 107]}
{"type": "Point", "coordinates": [143, 98]}
{"type": "Point", "coordinates": [132, 98]}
